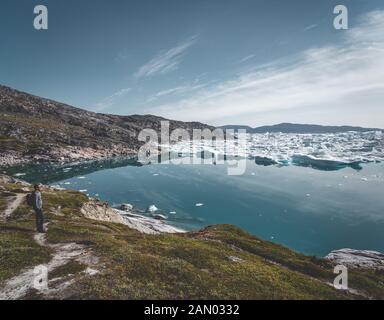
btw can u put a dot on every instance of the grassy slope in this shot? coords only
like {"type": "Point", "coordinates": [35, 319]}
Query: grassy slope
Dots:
{"type": "Point", "coordinates": [17, 248]}
{"type": "Point", "coordinates": [193, 265]}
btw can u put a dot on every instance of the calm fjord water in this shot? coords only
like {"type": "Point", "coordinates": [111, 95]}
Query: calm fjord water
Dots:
{"type": "Point", "coordinates": [308, 210]}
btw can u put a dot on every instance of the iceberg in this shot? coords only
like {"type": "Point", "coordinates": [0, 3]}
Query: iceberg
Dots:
{"type": "Point", "coordinates": [319, 151]}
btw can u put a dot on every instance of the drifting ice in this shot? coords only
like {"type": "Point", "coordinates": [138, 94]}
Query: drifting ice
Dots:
{"type": "Point", "coordinates": [320, 151]}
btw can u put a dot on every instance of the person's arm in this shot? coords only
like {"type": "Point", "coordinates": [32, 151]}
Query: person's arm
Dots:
{"type": "Point", "coordinates": [39, 201]}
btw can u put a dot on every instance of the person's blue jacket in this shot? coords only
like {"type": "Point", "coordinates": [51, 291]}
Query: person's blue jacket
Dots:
{"type": "Point", "coordinates": [37, 201]}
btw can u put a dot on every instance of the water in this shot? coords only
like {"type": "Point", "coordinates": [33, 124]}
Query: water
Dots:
{"type": "Point", "coordinates": [308, 210]}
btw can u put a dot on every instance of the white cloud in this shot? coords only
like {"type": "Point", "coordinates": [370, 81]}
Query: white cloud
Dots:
{"type": "Point", "coordinates": [249, 57]}
{"type": "Point", "coordinates": [112, 99]}
{"type": "Point", "coordinates": [337, 78]}
{"type": "Point", "coordinates": [165, 61]}
{"type": "Point", "coordinates": [187, 88]}
{"type": "Point", "coordinates": [310, 27]}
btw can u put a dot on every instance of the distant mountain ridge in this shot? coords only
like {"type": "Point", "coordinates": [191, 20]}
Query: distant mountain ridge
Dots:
{"type": "Point", "coordinates": [300, 128]}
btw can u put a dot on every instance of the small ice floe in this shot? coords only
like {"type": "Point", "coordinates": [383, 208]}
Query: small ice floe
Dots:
{"type": "Point", "coordinates": [67, 169]}
{"type": "Point", "coordinates": [199, 204]}
{"type": "Point", "coordinates": [155, 174]}
{"type": "Point", "coordinates": [96, 195]}
{"type": "Point", "coordinates": [67, 183]}
{"type": "Point", "coordinates": [19, 174]}
{"type": "Point", "coordinates": [83, 190]}
{"type": "Point", "coordinates": [152, 208]}
{"type": "Point", "coordinates": [345, 177]}
{"type": "Point", "coordinates": [364, 179]}
{"type": "Point", "coordinates": [272, 237]}
{"type": "Point", "coordinates": [80, 178]}
{"type": "Point", "coordinates": [172, 212]}
{"type": "Point", "coordinates": [308, 195]}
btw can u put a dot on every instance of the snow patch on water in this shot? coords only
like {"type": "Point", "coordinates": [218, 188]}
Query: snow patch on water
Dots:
{"type": "Point", "coordinates": [19, 174]}
{"type": "Point", "coordinates": [152, 208]}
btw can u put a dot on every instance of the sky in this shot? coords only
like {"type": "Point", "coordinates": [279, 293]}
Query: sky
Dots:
{"type": "Point", "coordinates": [249, 62]}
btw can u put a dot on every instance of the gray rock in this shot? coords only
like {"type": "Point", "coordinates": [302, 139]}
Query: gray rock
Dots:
{"type": "Point", "coordinates": [235, 259]}
{"type": "Point", "coordinates": [159, 216]}
{"type": "Point", "coordinates": [357, 258]}
{"type": "Point", "coordinates": [126, 207]}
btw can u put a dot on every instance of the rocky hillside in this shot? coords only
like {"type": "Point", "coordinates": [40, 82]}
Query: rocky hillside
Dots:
{"type": "Point", "coordinates": [92, 254]}
{"type": "Point", "coordinates": [36, 128]}
{"type": "Point", "coordinates": [300, 128]}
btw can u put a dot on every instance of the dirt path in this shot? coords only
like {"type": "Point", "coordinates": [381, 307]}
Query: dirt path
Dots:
{"type": "Point", "coordinates": [18, 286]}
{"type": "Point", "coordinates": [13, 204]}
{"type": "Point", "coordinates": [63, 253]}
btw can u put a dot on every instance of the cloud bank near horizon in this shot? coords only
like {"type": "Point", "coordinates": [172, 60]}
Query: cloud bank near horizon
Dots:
{"type": "Point", "coordinates": [344, 80]}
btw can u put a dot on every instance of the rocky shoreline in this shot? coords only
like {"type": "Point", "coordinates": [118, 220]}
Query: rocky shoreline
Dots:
{"type": "Point", "coordinates": [65, 155]}
{"type": "Point", "coordinates": [97, 210]}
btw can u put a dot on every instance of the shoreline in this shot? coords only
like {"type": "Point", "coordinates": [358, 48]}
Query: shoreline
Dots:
{"type": "Point", "coordinates": [65, 156]}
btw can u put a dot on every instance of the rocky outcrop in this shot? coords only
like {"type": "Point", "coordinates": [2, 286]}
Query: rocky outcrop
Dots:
{"type": "Point", "coordinates": [4, 179]}
{"type": "Point", "coordinates": [148, 225]}
{"type": "Point", "coordinates": [365, 259]}
{"type": "Point", "coordinates": [97, 210]}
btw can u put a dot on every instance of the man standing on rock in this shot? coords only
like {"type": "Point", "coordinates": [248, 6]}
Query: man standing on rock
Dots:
{"type": "Point", "coordinates": [37, 204]}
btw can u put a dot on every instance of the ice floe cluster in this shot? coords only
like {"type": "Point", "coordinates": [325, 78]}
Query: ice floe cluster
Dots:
{"type": "Point", "coordinates": [322, 151]}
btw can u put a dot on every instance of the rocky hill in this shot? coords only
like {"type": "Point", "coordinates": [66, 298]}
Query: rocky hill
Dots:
{"type": "Point", "coordinates": [92, 254]}
{"type": "Point", "coordinates": [300, 128]}
{"type": "Point", "coordinates": [34, 128]}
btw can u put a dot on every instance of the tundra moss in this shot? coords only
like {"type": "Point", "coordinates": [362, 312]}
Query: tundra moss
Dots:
{"type": "Point", "coordinates": [18, 250]}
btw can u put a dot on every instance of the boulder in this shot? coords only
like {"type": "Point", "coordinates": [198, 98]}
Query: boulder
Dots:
{"type": "Point", "coordinates": [126, 207]}
{"type": "Point", "coordinates": [365, 259]}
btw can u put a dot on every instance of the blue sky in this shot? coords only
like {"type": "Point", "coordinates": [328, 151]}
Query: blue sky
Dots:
{"type": "Point", "coordinates": [251, 62]}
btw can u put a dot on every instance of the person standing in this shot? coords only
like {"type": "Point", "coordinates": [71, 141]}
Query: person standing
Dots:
{"type": "Point", "coordinates": [37, 204]}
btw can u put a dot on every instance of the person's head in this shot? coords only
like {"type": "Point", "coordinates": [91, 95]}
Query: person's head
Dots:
{"type": "Point", "coordinates": [38, 187]}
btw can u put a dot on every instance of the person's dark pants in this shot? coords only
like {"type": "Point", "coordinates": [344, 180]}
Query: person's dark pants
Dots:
{"type": "Point", "coordinates": [39, 220]}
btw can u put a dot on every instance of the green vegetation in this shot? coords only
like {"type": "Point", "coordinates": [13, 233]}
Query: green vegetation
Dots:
{"type": "Point", "coordinates": [18, 250]}
{"type": "Point", "coordinates": [71, 268]}
{"type": "Point", "coordinates": [218, 262]}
